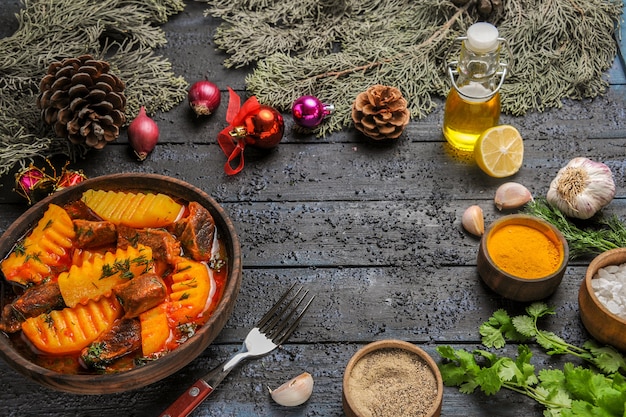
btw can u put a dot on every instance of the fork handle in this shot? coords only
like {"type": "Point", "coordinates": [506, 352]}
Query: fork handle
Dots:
{"type": "Point", "coordinates": [189, 400]}
{"type": "Point", "coordinates": [195, 394]}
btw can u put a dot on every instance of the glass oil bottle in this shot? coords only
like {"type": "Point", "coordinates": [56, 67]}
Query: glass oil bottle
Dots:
{"type": "Point", "coordinates": [473, 103]}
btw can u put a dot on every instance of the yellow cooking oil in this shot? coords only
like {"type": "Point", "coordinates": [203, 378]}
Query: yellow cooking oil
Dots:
{"type": "Point", "coordinates": [465, 119]}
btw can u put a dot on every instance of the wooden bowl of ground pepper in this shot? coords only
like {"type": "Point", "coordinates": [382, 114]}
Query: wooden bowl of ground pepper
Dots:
{"type": "Point", "coordinates": [522, 257]}
{"type": "Point", "coordinates": [391, 378]}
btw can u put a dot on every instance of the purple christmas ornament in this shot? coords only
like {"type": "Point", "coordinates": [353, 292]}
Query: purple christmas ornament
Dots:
{"type": "Point", "coordinates": [309, 111]}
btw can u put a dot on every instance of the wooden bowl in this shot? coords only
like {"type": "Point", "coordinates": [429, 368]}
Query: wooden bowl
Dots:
{"type": "Point", "coordinates": [173, 361]}
{"type": "Point", "coordinates": [396, 367]}
{"type": "Point", "coordinates": [512, 285]}
{"type": "Point", "coordinates": [603, 325]}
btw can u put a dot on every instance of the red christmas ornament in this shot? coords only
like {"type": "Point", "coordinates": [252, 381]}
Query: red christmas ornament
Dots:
{"type": "Point", "coordinates": [33, 184]}
{"type": "Point", "coordinates": [251, 124]}
{"type": "Point", "coordinates": [68, 178]}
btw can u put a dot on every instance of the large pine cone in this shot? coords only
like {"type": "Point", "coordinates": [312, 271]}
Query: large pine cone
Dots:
{"type": "Point", "coordinates": [82, 101]}
{"type": "Point", "coordinates": [380, 112]}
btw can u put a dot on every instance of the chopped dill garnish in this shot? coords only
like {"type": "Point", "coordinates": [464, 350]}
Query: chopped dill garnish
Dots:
{"type": "Point", "coordinates": [20, 249]}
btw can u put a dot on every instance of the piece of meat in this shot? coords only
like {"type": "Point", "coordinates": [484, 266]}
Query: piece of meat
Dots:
{"type": "Point", "coordinates": [33, 302]}
{"type": "Point", "coordinates": [140, 294]}
{"type": "Point", "coordinates": [79, 210]}
{"type": "Point", "coordinates": [196, 232]}
{"type": "Point", "coordinates": [123, 338]}
{"type": "Point", "coordinates": [164, 246]}
{"type": "Point", "coordinates": [94, 234]}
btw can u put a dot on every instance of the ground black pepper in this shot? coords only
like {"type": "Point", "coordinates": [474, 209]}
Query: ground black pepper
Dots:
{"type": "Point", "coordinates": [390, 383]}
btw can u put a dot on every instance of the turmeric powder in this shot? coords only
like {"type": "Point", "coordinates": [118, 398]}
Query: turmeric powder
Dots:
{"type": "Point", "coordinates": [524, 251]}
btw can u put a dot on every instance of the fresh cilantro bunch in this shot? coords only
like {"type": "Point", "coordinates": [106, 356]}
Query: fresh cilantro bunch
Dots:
{"type": "Point", "coordinates": [574, 391]}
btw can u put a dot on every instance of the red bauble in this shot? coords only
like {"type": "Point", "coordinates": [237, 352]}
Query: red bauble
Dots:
{"type": "Point", "coordinates": [251, 124]}
{"type": "Point", "coordinates": [262, 127]}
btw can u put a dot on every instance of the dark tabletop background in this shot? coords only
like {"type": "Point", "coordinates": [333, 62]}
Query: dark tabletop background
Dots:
{"type": "Point", "coordinates": [373, 230]}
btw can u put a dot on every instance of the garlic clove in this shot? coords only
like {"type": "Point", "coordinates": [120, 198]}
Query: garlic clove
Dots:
{"type": "Point", "coordinates": [294, 392]}
{"type": "Point", "coordinates": [511, 195]}
{"type": "Point", "coordinates": [473, 220]}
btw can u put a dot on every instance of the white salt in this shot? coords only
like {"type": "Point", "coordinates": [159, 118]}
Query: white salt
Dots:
{"type": "Point", "coordinates": [609, 285]}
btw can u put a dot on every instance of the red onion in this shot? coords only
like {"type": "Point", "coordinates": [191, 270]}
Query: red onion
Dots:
{"type": "Point", "coordinates": [143, 134]}
{"type": "Point", "coordinates": [204, 97]}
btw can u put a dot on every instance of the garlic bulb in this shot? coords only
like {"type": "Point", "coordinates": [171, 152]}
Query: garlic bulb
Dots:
{"type": "Point", "coordinates": [511, 195]}
{"type": "Point", "coordinates": [473, 220]}
{"type": "Point", "coordinates": [294, 392]}
{"type": "Point", "coordinates": [582, 188]}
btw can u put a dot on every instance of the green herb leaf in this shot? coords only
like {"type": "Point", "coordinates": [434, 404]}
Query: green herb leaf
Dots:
{"type": "Point", "coordinates": [607, 358]}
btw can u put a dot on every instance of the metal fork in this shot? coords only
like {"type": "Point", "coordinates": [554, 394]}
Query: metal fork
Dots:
{"type": "Point", "coordinates": [273, 329]}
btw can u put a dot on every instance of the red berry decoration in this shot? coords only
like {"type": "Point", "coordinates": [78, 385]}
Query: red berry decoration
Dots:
{"type": "Point", "coordinates": [252, 124]}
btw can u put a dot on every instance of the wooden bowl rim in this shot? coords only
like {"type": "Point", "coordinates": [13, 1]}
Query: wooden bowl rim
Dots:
{"type": "Point", "coordinates": [604, 259]}
{"type": "Point", "coordinates": [177, 359]}
{"type": "Point", "coordinates": [527, 220]}
{"type": "Point", "coordinates": [393, 344]}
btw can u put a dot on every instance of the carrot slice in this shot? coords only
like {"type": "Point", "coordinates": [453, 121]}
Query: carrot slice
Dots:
{"type": "Point", "coordinates": [155, 330]}
{"type": "Point", "coordinates": [190, 291]}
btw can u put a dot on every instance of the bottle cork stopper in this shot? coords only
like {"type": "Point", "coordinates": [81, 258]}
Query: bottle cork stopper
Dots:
{"type": "Point", "coordinates": [482, 37]}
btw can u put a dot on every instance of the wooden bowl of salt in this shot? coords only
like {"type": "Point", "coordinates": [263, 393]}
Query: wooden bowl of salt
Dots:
{"type": "Point", "coordinates": [392, 378]}
{"type": "Point", "coordinates": [602, 305]}
{"type": "Point", "coordinates": [522, 258]}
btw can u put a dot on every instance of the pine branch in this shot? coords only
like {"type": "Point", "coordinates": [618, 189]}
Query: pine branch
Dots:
{"type": "Point", "coordinates": [560, 49]}
{"type": "Point", "coordinates": [434, 38]}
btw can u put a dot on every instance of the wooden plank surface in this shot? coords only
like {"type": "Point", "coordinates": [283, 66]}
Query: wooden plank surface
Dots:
{"type": "Point", "coordinates": [373, 230]}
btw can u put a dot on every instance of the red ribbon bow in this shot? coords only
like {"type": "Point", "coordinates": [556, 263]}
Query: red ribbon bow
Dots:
{"type": "Point", "coordinates": [232, 139]}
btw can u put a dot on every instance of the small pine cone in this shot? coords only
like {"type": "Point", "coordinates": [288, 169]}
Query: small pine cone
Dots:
{"type": "Point", "coordinates": [491, 10]}
{"type": "Point", "coordinates": [380, 112]}
{"type": "Point", "coordinates": [82, 101]}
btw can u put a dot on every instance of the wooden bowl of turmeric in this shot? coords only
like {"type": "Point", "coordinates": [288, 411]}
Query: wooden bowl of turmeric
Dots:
{"type": "Point", "coordinates": [601, 303]}
{"type": "Point", "coordinates": [116, 283]}
{"type": "Point", "coordinates": [522, 258]}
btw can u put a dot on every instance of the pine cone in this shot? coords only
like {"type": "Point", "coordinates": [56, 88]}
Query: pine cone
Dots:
{"type": "Point", "coordinates": [82, 101]}
{"type": "Point", "coordinates": [380, 112]}
{"type": "Point", "coordinates": [491, 10]}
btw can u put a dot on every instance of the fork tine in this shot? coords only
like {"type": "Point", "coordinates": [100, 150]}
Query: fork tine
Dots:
{"type": "Point", "coordinates": [277, 324]}
{"type": "Point", "coordinates": [286, 333]}
{"type": "Point", "coordinates": [281, 315]}
{"type": "Point", "coordinates": [275, 307]}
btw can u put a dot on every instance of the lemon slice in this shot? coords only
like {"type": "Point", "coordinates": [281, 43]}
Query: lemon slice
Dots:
{"type": "Point", "coordinates": [499, 151]}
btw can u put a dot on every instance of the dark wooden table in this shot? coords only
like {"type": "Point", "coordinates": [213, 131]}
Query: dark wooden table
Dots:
{"type": "Point", "coordinates": [373, 230]}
